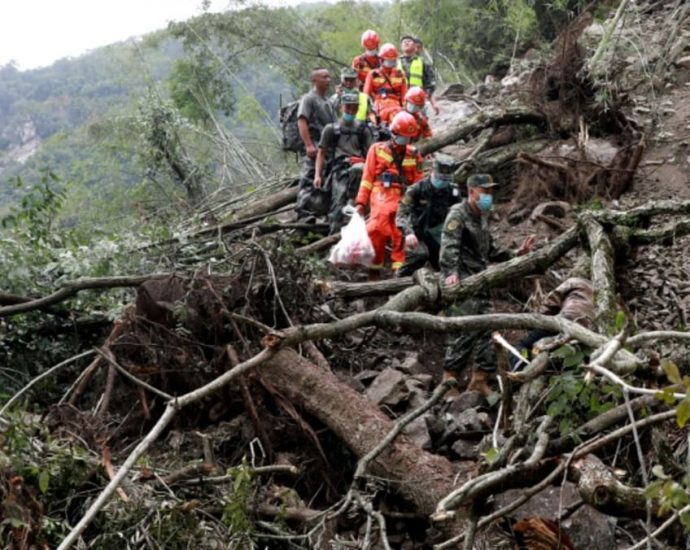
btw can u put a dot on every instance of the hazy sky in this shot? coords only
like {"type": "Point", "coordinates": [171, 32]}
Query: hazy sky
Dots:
{"type": "Point", "coordinates": [35, 33]}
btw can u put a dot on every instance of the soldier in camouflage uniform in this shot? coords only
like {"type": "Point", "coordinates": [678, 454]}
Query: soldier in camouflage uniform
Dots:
{"type": "Point", "coordinates": [467, 247]}
{"type": "Point", "coordinates": [421, 214]}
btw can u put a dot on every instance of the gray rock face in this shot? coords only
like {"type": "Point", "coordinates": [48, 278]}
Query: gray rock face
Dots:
{"type": "Point", "coordinates": [417, 430]}
{"type": "Point", "coordinates": [388, 388]}
{"type": "Point", "coordinates": [587, 528]}
{"type": "Point", "coordinates": [466, 450]}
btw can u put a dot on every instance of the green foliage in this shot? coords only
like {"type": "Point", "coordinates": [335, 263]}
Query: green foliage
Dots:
{"type": "Point", "coordinates": [673, 496]}
{"type": "Point", "coordinates": [571, 401]}
{"type": "Point", "coordinates": [236, 505]}
{"type": "Point", "coordinates": [53, 468]}
{"type": "Point", "coordinates": [667, 395]}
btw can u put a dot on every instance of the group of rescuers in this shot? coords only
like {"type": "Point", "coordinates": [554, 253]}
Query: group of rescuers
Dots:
{"type": "Point", "coordinates": [422, 218]}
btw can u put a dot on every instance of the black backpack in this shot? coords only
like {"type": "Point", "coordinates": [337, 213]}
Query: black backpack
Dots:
{"type": "Point", "coordinates": [292, 141]}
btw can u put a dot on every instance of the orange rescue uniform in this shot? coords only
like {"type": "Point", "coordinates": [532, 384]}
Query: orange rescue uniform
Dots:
{"type": "Point", "coordinates": [364, 64]}
{"type": "Point", "coordinates": [387, 87]}
{"type": "Point", "coordinates": [424, 130]}
{"type": "Point", "coordinates": [382, 185]}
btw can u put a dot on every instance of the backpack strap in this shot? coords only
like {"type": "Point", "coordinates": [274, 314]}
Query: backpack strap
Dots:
{"type": "Point", "coordinates": [397, 159]}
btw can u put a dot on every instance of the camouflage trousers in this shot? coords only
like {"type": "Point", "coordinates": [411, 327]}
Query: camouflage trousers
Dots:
{"type": "Point", "coordinates": [344, 184]}
{"type": "Point", "coordinates": [470, 349]}
{"type": "Point", "coordinates": [310, 201]}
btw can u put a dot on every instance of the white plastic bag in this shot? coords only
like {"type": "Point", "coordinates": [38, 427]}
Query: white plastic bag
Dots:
{"type": "Point", "coordinates": [354, 247]}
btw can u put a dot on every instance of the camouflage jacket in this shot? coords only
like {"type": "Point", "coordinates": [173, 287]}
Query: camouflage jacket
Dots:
{"type": "Point", "coordinates": [423, 209]}
{"type": "Point", "coordinates": [467, 245]}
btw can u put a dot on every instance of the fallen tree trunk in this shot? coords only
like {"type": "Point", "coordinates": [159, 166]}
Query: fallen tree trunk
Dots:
{"type": "Point", "coordinates": [269, 204]}
{"type": "Point", "coordinates": [535, 262]}
{"type": "Point", "coordinates": [491, 159]}
{"type": "Point", "coordinates": [480, 121]}
{"type": "Point", "coordinates": [599, 488]}
{"type": "Point", "coordinates": [420, 477]}
{"type": "Point", "coordinates": [603, 274]}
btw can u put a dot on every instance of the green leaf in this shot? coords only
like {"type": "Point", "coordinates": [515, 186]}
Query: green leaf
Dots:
{"type": "Point", "coordinates": [685, 520]}
{"type": "Point", "coordinates": [563, 352]}
{"type": "Point", "coordinates": [43, 481]}
{"type": "Point", "coordinates": [683, 412]}
{"type": "Point", "coordinates": [671, 370]}
{"type": "Point", "coordinates": [491, 455]}
{"type": "Point", "coordinates": [619, 321]}
{"type": "Point", "coordinates": [573, 360]}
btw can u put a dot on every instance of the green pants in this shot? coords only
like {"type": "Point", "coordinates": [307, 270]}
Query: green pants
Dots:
{"type": "Point", "coordinates": [470, 348]}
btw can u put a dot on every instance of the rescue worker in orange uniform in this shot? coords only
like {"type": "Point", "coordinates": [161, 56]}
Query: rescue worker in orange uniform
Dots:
{"type": "Point", "coordinates": [390, 167]}
{"type": "Point", "coordinates": [365, 62]}
{"type": "Point", "coordinates": [415, 98]}
{"type": "Point", "coordinates": [387, 85]}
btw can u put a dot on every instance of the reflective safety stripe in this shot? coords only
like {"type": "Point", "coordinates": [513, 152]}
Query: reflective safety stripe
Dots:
{"type": "Point", "coordinates": [363, 107]}
{"type": "Point", "coordinates": [409, 162]}
{"type": "Point", "coordinates": [394, 189]}
{"type": "Point", "coordinates": [384, 155]}
{"type": "Point", "coordinates": [376, 266]}
{"type": "Point", "coordinates": [396, 265]}
{"type": "Point", "coordinates": [366, 184]}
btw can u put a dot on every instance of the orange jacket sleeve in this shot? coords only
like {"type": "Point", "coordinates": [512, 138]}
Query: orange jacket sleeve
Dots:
{"type": "Point", "coordinates": [403, 90]}
{"type": "Point", "coordinates": [368, 177]}
{"type": "Point", "coordinates": [369, 85]}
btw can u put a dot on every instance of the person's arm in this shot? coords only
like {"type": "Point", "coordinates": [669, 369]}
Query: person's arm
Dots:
{"type": "Point", "coordinates": [449, 257]}
{"type": "Point", "coordinates": [367, 183]}
{"type": "Point", "coordinates": [369, 85]}
{"type": "Point", "coordinates": [403, 219]}
{"type": "Point", "coordinates": [325, 146]}
{"type": "Point", "coordinates": [309, 146]}
{"type": "Point", "coordinates": [426, 129]}
{"type": "Point", "coordinates": [403, 91]}
{"type": "Point", "coordinates": [320, 161]}
{"type": "Point", "coordinates": [429, 85]}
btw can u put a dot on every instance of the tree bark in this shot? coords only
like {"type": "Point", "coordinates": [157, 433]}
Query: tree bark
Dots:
{"type": "Point", "coordinates": [269, 204]}
{"type": "Point", "coordinates": [478, 122]}
{"type": "Point", "coordinates": [603, 275]}
{"type": "Point", "coordinates": [599, 488]}
{"type": "Point", "coordinates": [421, 478]}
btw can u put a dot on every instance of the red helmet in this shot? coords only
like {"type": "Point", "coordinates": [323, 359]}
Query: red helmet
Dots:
{"type": "Point", "coordinates": [388, 51]}
{"type": "Point", "coordinates": [416, 96]}
{"type": "Point", "coordinates": [370, 40]}
{"type": "Point", "coordinates": [404, 124]}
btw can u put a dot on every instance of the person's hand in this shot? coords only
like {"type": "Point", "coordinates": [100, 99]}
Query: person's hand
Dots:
{"type": "Point", "coordinates": [411, 241]}
{"type": "Point", "coordinates": [360, 209]}
{"type": "Point", "coordinates": [311, 151]}
{"type": "Point", "coordinates": [527, 245]}
{"type": "Point", "coordinates": [339, 89]}
{"type": "Point", "coordinates": [451, 280]}
{"type": "Point", "coordinates": [317, 182]}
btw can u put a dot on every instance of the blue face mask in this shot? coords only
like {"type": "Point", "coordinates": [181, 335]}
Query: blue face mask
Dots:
{"type": "Point", "coordinates": [348, 118]}
{"type": "Point", "coordinates": [485, 202]}
{"type": "Point", "coordinates": [401, 140]}
{"type": "Point", "coordinates": [439, 183]}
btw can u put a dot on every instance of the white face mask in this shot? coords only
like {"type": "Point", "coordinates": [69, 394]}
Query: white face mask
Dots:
{"type": "Point", "coordinates": [371, 53]}
{"type": "Point", "coordinates": [389, 63]}
{"type": "Point", "coordinates": [412, 108]}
